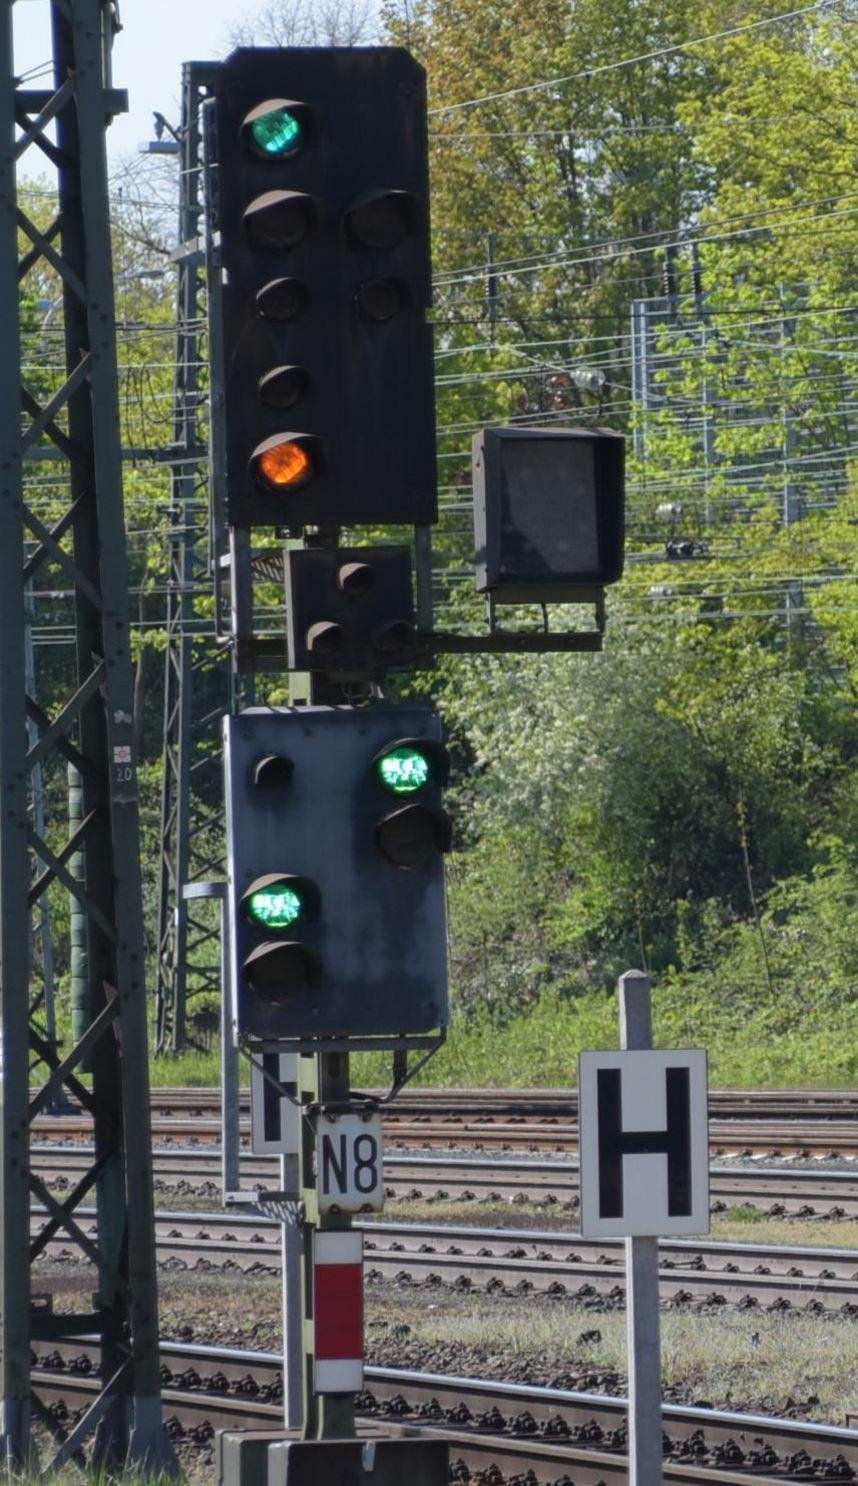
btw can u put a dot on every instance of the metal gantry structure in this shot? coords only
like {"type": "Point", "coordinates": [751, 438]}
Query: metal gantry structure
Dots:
{"type": "Point", "coordinates": [191, 820]}
{"type": "Point", "coordinates": [682, 377]}
{"type": "Point", "coordinates": [75, 533]}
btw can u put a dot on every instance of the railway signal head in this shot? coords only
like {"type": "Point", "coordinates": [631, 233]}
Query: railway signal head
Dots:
{"type": "Point", "coordinates": [413, 770]}
{"type": "Point", "coordinates": [350, 611]}
{"type": "Point", "coordinates": [323, 215]}
{"type": "Point", "coordinates": [548, 512]}
{"type": "Point", "coordinates": [336, 834]}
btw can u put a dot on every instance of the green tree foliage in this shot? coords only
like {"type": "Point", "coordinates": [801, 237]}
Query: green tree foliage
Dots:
{"type": "Point", "coordinates": [611, 798]}
{"type": "Point", "coordinates": [679, 800]}
{"type": "Point", "coordinates": [686, 800]}
{"type": "Point", "coordinates": [780, 147]}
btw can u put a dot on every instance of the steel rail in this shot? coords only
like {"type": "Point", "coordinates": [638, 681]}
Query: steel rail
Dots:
{"type": "Point", "coordinates": [726, 1137]}
{"type": "Point", "coordinates": [511, 1427]}
{"type": "Point", "coordinates": [807, 1191]}
{"type": "Point", "coordinates": [523, 1261]}
{"type": "Point", "coordinates": [453, 1104]}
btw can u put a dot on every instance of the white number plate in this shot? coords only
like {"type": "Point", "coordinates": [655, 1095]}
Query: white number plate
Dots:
{"type": "Point", "coordinates": [349, 1174]}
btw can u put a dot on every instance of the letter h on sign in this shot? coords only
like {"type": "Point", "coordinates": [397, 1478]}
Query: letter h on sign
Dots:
{"type": "Point", "coordinates": [644, 1143]}
{"type": "Point", "coordinates": [614, 1142]}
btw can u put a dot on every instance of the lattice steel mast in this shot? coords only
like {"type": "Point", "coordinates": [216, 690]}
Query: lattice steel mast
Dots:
{"type": "Point", "coordinates": [73, 538]}
{"type": "Point", "coordinates": [190, 849]}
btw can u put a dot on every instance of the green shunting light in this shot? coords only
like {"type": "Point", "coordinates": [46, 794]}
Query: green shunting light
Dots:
{"type": "Point", "coordinates": [277, 132]}
{"type": "Point", "coordinates": [275, 907]}
{"type": "Point", "coordinates": [404, 770]}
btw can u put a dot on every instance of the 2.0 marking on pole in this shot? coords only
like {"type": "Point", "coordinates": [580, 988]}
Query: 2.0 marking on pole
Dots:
{"type": "Point", "coordinates": [349, 1176]}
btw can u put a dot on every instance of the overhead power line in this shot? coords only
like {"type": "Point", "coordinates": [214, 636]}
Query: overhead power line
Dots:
{"type": "Point", "coordinates": [655, 55]}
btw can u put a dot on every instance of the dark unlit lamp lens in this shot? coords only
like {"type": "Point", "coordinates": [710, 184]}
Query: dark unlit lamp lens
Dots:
{"type": "Point", "coordinates": [413, 834]}
{"type": "Point", "coordinates": [355, 578]}
{"type": "Point", "coordinates": [281, 299]}
{"type": "Point", "coordinates": [380, 300]}
{"type": "Point", "coordinates": [326, 638]}
{"type": "Point", "coordinates": [279, 220]}
{"type": "Point", "coordinates": [381, 219]}
{"type": "Point", "coordinates": [394, 638]}
{"type": "Point", "coordinates": [275, 970]}
{"type": "Point", "coordinates": [272, 771]}
{"type": "Point", "coordinates": [283, 386]}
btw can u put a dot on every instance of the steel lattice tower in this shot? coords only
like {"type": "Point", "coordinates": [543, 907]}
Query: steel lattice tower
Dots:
{"type": "Point", "coordinates": [191, 825]}
{"type": "Point", "coordinates": [73, 538]}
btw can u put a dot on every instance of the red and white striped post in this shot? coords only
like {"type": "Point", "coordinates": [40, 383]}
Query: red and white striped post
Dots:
{"type": "Point", "coordinates": [338, 1311]}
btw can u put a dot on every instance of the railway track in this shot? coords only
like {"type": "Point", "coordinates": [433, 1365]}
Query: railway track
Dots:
{"type": "Point", "coordinates": [526, 1262]}
{"type": "Point", "coordinates": [799, 1191]}
{"type": "Point", "coordinates": [726, 1137]}
{"type": "Point", "coordinates": [502, 1430]}
{"type": "Point", "coordinates": [523, 1263]}
{"type": "Point", "coordinates": [742, 1122]}
{"type": "Point", "coordinates": [548, 1104]}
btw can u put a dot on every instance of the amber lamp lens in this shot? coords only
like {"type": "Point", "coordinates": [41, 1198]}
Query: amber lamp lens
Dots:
{"type": "Point", "coordinates": [286, 466]}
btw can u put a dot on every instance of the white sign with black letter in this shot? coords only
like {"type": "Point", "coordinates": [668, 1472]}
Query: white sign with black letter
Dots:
{"type": "Point", "coordinates": [644, 1143]}
{"type": "Point", "coordinates": [349, 1175]}
{"type": "Point", "coordinates": [275, 1121]}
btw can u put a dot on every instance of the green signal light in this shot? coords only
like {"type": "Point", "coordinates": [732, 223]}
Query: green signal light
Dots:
{"type": "Point", "coordinates": [277, 132]}
{"type": "Point", "coordinates": [275, 907]}
{"type": "Point", "coordinates": [404, 770]}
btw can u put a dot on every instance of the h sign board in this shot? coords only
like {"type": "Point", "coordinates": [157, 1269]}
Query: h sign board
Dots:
{"type": "Point", "coordinates": [275, 1119]}
{"type": "Point", "coordinates": [349, 1175]}
{"type": "Point", "coordinates": [644, 1143]}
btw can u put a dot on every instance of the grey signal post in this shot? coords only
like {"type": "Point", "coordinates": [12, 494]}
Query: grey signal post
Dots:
{"type": "Point", "coordinates": [643, 1331]}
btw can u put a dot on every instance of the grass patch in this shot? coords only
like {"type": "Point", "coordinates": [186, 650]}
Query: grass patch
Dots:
{"type": "Point", "coordinates": [839, 1233]}
{"type": "Point", "coordinates": [753, 1361]}
{"type": "Point", "coordinates": [747, 1215]}
{"type": "Point", "coordinates": [735, 1360]}
{"type": "Point", "coordinates": [539, 1047]}
{"type": "Point", "coordinates": [735, 1226]}
{"type": "Point", "coordinates": [70, 1475]}
{"type": "Point", "coordinates": [191, 1070]}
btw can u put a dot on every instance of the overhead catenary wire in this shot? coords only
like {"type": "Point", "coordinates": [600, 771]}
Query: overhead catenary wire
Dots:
{"type": "Point", "coordinates": [635, 247]}
{"type": "Point", "coordinates": [656, 54]}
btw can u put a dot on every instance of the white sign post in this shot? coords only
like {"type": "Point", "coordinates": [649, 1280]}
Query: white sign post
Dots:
{"type": "Point", "coordinates": [349, 1176]}
{"type": "Point", "coordinates": [644, 1152]}
{"type": "Point", "coordinates": [275, 1130]}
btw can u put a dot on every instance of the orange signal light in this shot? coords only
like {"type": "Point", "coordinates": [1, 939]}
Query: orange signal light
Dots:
{"type": "Point", "coordinates": [284, 465]}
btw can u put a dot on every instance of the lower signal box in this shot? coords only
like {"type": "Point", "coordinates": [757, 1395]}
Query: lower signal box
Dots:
{"type": "Point", "coordinates": [349, 609]}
